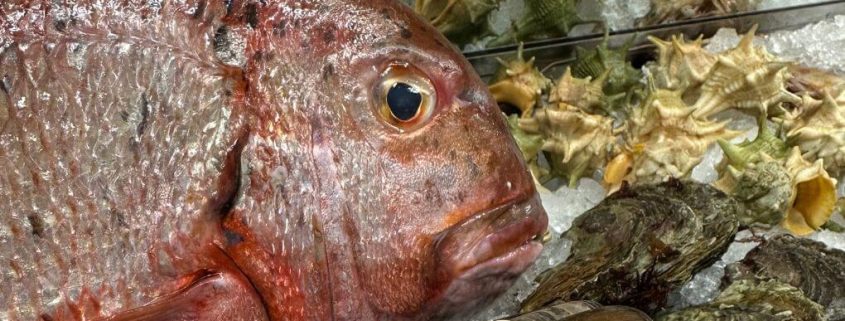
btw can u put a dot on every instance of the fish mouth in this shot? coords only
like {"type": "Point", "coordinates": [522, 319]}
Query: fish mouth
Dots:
{"type": "Point", "coordinates": [482, 256]}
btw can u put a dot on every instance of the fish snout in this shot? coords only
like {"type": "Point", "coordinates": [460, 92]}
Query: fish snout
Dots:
{"type": "Point", "coordinates": [482, 256]}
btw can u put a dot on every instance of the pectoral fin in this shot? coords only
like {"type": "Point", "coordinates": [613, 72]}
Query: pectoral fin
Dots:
{"type": "Point", "coordinates": [207, 295]}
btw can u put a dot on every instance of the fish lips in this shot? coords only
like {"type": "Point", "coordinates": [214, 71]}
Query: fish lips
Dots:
{"type": "Point", "coordinates": [481, 257]}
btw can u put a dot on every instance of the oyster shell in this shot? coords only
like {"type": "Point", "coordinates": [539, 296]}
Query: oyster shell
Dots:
{"type": "Point", "coordinates": [582, 311]}
{"type": "Point", "coordinates": [576, 143]}
{"type": "Point", "coordinates": [752, 299]}
{"type": "Point", "coordinates": [802, 263]}
{"type": "Point", "coordinates": [519, 83]}
{"type": "Point", "coordinates": [664, 140]}
{"type": "Point", "coordinates": [680, 64]}
{"type": "Point", "coordinates": [819, 131]}
{"type": "Point", "coordinates": [777, 184]}
{"type": "Point", "coordinates": [639, 244]}
{"type": "Point", "coordinates": [746, 77]}
{"type": "Point", "coordinates": [543, 19]}
{"type": "Point", "coordinates": [458, 20]}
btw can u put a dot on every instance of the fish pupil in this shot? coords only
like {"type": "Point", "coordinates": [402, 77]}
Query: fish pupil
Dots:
{"type": "Point", "coordinates": [404, 101]}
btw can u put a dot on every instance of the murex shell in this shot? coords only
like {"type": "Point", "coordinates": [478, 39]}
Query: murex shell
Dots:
{"type": "Point", "coordinates": [582, 311]}
{"type": "Point", "coordinates": [519, 83]}
{"type": "Point", "coordinates": [639, 244]}
{"type": "Point", "coordinates": [623, 80]}
{"type": "Point", "coordinates": [747, 78]}
{"type": "Point", "coordinates": [664, 140]}
{"type": "Point", "coordinates": [542, 19]}
{"type": "Point", "coordinates": [681, 64]}
{"type": "Point", "coordinates": [777, 184]}
{"type": "Point", "coordinates": [802, 263]}
{"type": "Point", "coordinates": [576, 142]}
{"type": "Point", "coordinates": [819, 130]}
{"type": "Point", "coordinates": [753, 300]}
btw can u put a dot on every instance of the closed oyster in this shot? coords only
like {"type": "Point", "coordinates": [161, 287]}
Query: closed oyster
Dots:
{"type": "Point", "coordinates": [623, 80]}
{"type": "Point", "coordinates": [752, 299]}
{"type": "Point", "coordinates": [582, 311]}
{"type": "Point", "coordinates": [747, 78]}
{"type": "Point", "coordinates": [458, 20]}
{"type": "Point", "coordinates": [680, 64]}
{"type": "Point", "coordinates": [519, 83]}
{"type": "Point", "coordinates": [802, 263]}
{"type": "Point", "coordinates": [777, 184]}
{"type": "Point", "coordinates": [543, 19]}
{"type": "Point", "coordinates": [819, 131]}
{"type": "Point", "coordinates": [576, 143]}
{"type": "Point", "coordinates": [639, 244]}
{"type": "Point", "coordinates": [664, 140]}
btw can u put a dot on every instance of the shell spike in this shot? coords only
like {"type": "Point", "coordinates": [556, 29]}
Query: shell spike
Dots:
{"type": "Point", "coordinates": [747, 41]}
{"type": "Point", "coordinates": [734, 154]}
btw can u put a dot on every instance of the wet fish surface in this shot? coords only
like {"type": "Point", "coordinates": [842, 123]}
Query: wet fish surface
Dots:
{"type": "Point", "coordinates": [246, 160]}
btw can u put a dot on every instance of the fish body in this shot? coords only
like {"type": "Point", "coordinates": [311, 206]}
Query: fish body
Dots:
{"type": "Point", "coordinates": [199, 160]}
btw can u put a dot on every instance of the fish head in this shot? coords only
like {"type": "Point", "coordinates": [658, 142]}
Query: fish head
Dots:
{"type": "Point", "coordinates": [450, 212]}
{"type": "Point", "coordinates": [426, 203]}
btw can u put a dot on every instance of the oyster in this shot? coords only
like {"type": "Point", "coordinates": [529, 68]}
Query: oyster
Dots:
{"type": "Point", "coordinates": [752, 299]}
{"type": "Point", "coordinates": [802, 263]}
{"type": "Point", "coordinates": [680, 64]}
{"type": "Point", "coordinates": [639, 244]}
{"type": "Point", "coordinates": [543, 19]}
{"type": "Point", "coordinates": [819, 130]}
{"type": "Point", "coordinates": [623, 80]}
{"type": "Point", "coordinates": [519, 83]}
{"type": "Point", "coordinates": [664, 140]}
{"type": "Point", "coordinates": [663, 11]}
{"type": "Point", "coordinates": [746, 77]}
{"type": "Point", "coordinates": [582, 311]}
{"type": "Point", "coordinates": [576, 143]}
{"type": "Point", "coordinates": [777, 184]}
{"type": "Point", "coordinates": [458, 20]}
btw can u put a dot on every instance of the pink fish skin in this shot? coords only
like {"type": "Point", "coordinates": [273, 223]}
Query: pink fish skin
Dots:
{"type": "Point", "coordinates": [231, 160]}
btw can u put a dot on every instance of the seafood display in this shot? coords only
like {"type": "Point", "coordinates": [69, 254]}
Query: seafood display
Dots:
{"type": "Point", "coordinates": [805, 264]}
{"type": "Point", "coordinates": [251, 160]}
{"type": "Point", "coordinates": [479, 23]}
{"type": "Point", "coordinates": [640, 243]}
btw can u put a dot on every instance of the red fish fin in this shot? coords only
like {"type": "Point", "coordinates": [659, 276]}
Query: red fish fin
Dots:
{"type": "Point", "coordinates": [206, 296]}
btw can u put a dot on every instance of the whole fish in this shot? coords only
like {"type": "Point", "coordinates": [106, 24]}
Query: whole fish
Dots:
{"type": "Point", "coordinates": [250, 160]}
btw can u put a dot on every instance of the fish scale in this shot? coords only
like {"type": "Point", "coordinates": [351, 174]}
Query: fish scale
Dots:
{"type": "Point", "coordinates": [104, 164]}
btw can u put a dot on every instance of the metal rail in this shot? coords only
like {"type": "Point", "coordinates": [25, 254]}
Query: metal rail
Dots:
{"type": "Point", "coordinates": [554, 51]}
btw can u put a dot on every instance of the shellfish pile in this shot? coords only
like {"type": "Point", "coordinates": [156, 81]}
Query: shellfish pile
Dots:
{"type": "Point", "coordinates": [645, 142]}
{"type": "Point", "coordinates": [604, 117]}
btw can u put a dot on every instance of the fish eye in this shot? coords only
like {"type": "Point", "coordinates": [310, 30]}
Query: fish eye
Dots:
{"type": "Point", "coordinates": [405, 97]}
